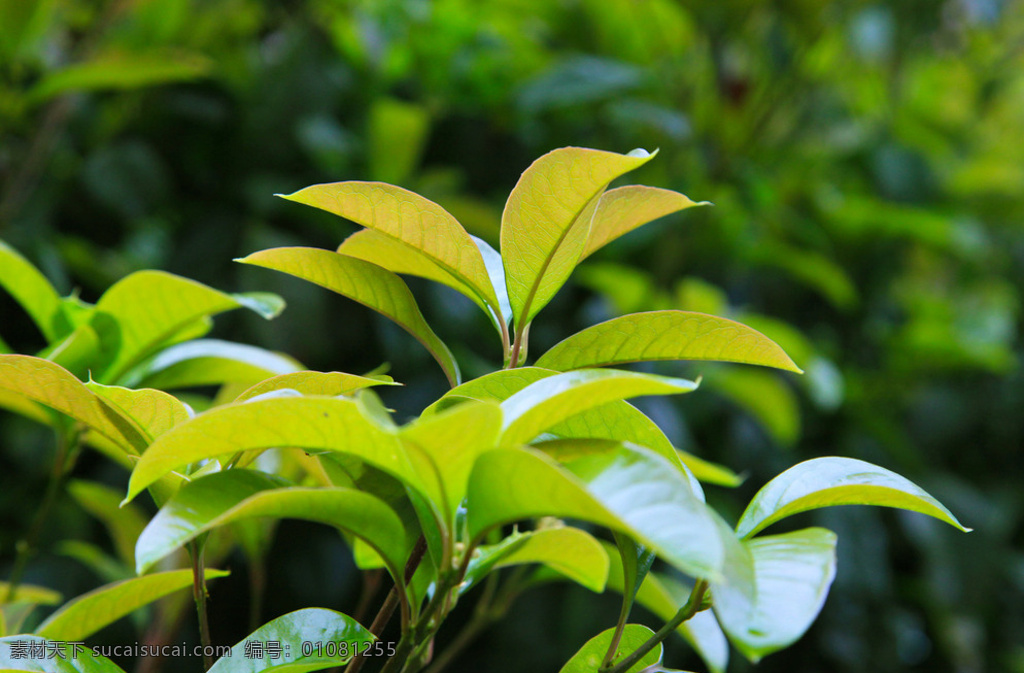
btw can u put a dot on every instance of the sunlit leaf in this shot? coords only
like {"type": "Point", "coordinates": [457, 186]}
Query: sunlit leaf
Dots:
{"type": "Point", "coordinates": [632, 491]}
{"type": "Point", "coordinates": [53, 386]}
{"type": "Point", "coordinates": [622, 210]}
{"type": "Point", "coordinates": [369, 284]}
{"type": "Point", "coordinates": [88, 613]}
{"type": "Point", "coordinates": [144, 309]}
{"type": "Point", "coordinates": [665, 335]}
{"type": "Point", "coordinates": [793, 573]}
{"type": "Point", "coordinates": [84, 660]}
{"type": "Point", "coordinates": [123, 523]}
{"type": "Point", "coordinates": [153, 412]}
{"type": "Point", "coordinates": [546, 221]}
{"type": "Point", "coordinates": [330, 632]}
{"type": "Point", "coordinates": [328, 384]}
{"type": "Point", "coordinates": [824, 482]}
{"type": "Point", "coordinates": [311, 423]}
{"type": "Point", "coordinates": [589, 658]}
{"type": "Point", "coordinates": [33, 291]}
{"type": "Point", "coordinates": [410, 218]}
{"type": "Point", "coordinates": [206, 362]}
{"type": "Point", "coordinates": [551, 400]}
{"type": "Point", "coordinates": [453, 440]}
{"type": "Point", "coordinates": [236, 495]}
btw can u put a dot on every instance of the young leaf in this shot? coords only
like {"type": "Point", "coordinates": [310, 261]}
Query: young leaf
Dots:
{"type": "Point", "coordinates": [34, 292]}
{"type": "Point", "coordinates": [373, 286]}
{"type": "Point", "coordinates": [13, 647]}
{"type": "Point", "coordinates": [236, 495]}
{"type": "Point", "coordinates": [569, 551]}
{"type": "Point", "coordinates": [665, 335]}
{"type": "Point", "coordinates": [51, 385]}
{"type": "Point", "coordinates": [327, 384]}
{"type": "Point", "coordinates": [141, 311]}
{"type": "Point", "coordinates": [411, 219]}
{"type": "Point", "coordinates": [663, 596]}
{"type": "Point", "coordinates": [453, 440]}
{"type": "Point", "coordinates": [824, 482]}
{"type": "Point", "coordinates": [88, 613]}
{"type": "Point", "coordinates": [546, 221]}
{"type": "Point", "coordinates": [630, 490]}
{"type": "Point", "coordinates": [327, 424]}
{"type": "Point", "coordinates": [124, 524]}
{"type": "Point", "coordinates": [793, 573]}
{"type": "Point", "coordinates": [589, 657]}
{"type": "Point", "coordinates": [622, 210]}
{"type": "Point", "coordinates": [153, 412]}
{"type": "Point", "coordinates": [541, 405]}
{"type": "Point", "coordinates": [206, 362]}
{"type": "Point", "coordinates": [318, 626]}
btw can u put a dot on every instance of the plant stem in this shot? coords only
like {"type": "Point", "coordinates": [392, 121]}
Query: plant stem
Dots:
{"type": "Point", "coordinates": [520, 346]}
{"type": "Point", "coordinates": [371, 585]}
{"type": "Point", "coordinates": [483, 616]}
{"type": "Point", "coordinates": [620, 626]}
{"type": "Point", "coordinates": [692, 607]}
{"type": "Point", "coordinates": [66, 443]}
{"type": "Point", "coordinates": [195, 550]}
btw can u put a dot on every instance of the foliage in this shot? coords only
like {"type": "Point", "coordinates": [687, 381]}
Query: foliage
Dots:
{"type": "Point", "coordinates": [430, 501]}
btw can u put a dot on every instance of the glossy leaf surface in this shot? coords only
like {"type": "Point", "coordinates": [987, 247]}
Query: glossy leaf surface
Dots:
{"type": "Point", "coordinates": [205, 362]}
{"type": "Point", "coordinates": [824, 482]}
{"type": "Point", "coordinates": [327, 384]}
{"type": "Point", "coordinates": [373, 286]}
{"type": "Point", "coordinates": [411, 219]}
{"type": "Point", "coordinates": [793, 573]}
{"type": "Point", "coordinates": [88, 613]}
{"type": "Point", "coordinates": [552, 400]}
{"type": "Point", "coordinates": [589, 657]}
{"type": "Point", "coordinates": [571, 552]}
{"type": "Point", "coordinates": [665, 335]}
{"type": "Point", "coordinates": [624, 209]}
{"type": "Point", "coordinates": [311, 625]}
{"type": "Point", "coordinates": [546, 221]}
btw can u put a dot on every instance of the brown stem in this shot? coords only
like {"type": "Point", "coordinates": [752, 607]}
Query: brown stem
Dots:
{"type": "Point", "coordinates": [195, 550]}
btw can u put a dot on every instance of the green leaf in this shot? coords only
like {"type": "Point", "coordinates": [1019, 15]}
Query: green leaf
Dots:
{"type": "Point", "coordinates": [76, 352]}
{"type": "Point", "coordinates": [571, 552]}
{"type": "Point", "coordinates": [824, 482]}
{"type": "Point", "coordinates": [33, 292]}
{"type": "Point", "coordinates": [411, 219]}
{"type": "Point", "coordinates": [541, 405]}
{"type": "Point", "coordinates": [311, 423]}
{"type": "Point", "coordinates": [123, 523]}
{"type": "Point", "coordinates": [53, 386]}
{"type": "Point", "coordinates": [153, 412]}
{"type": "Point", "coordinates": [370, 285]}
{"type": "Point", "coordinates": [665, 335]}
{"type": "Point", "coordinates": [209, 362]}
{"type": "Point", "coordinates": [84, 660]}
{"type": "Point", "coordinates": [318, 626]}
{"type": "Point", "coordinates": [764, 396]}
{"type": "Point", "coordinates": [636, 563]}
{"type": "Point", "coordinates": [497, 387]}
{"type": "Point", "coordinates": [453, 440]}
{"type": "Point", "coordinates": [546, 221]}
{"type": "Point", "coordinates": [145, 309]}
{"type": "Point", "coordinates": [327, 384]}
{"type": "Point", "coordinates": [793, 573]}
{"type": "Point", "coordinates": [121, 70]}
{"type": "Point", "coordinates": [236, 495]}
{"type": "Point", "coordinates": [30, 593]}
{"type": "Point", "coordinates": [630, 490]}
{"type": "Point", "coordinates": [496, 271]}
{"type": "Point", "coordinates": [622, 210]}
{"type": "Point", "coordinates": [664, 596]}
{"type": "Point", "coordinates": [589, 657]}
{"type": "Point", "coordinates": [88, 613]}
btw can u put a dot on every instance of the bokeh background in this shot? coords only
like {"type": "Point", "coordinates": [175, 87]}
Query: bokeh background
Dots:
{"type": "Point", "coordinates": [865, 159]}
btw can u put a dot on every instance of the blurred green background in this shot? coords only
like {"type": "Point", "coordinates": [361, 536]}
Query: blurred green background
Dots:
{"type": "Point", "coordinates": [865, 159]}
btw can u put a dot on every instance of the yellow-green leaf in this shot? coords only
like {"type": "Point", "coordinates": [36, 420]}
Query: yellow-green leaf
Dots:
{"type": "Point", "coordinates": [410, 218]}
{"type": "Point", "coordinates": [622, 210]}
{"type": "Point", "coordinates": [665, 335]}
{"type": "Point", "coordinates": [546, 221]}
{"type": "Point", "coordinates": [30, 593]}
{"type": "Point", "coordinates": [824, 482]}
{"type": "Point", "coordinates": [85, 615]}
{"type": "Point", "coordinates": [51, 385]}
{"type": "Point", "coordinates": [373, 286]}
{"type": "Point", "coordinates": [205, 362]}
{"type": "Point", "coordinates": [589, 657]}
{"type": "Point", "coordinates": [569, 551]}
{"type": "Point", "coordinates": [153, 412]}
{"type": "Point", "coordinates": [327, 384]}
{"type": "Point", "coordinates": [33, 291]}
